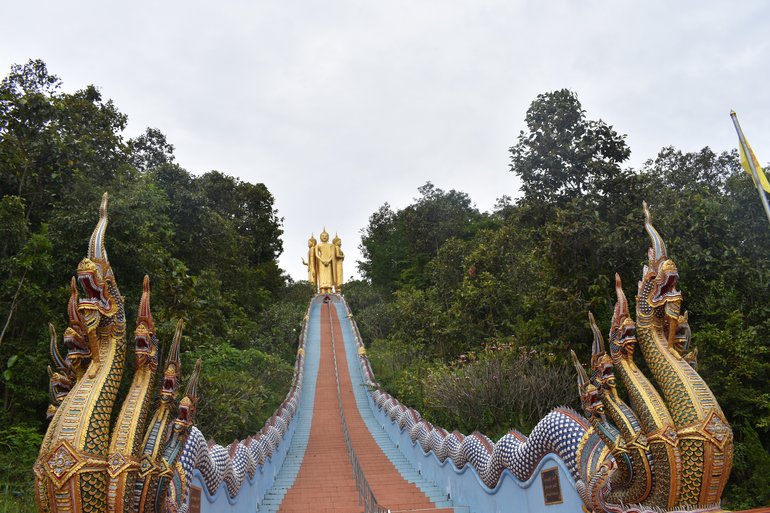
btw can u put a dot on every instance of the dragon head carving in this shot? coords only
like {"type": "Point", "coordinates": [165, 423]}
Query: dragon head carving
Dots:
{"type": "Point", "coordinates": [59, 386]}
{"type": "Point", "coordinates": [680, 344]}
{"type": "Point", "coordinates": [96, 277]}
{"type": "Point", "coordinates": [590, 399]}
{"type": "Point", "coordinates": [602, 371]}
{"type": "Point", "coordinates": [658, 296]}
{"type": "Point", "coordinates": [171, 374]}
{"type": "Point", "coordinates": [75, 336]}
{"type": "Point", "coordinates": [146, 344]}
{"type": "Point", "coordinates": [61, 380]}
{"type": "Point", "coordinates": [622, 338]}
{"type": "Point", "coordinates": [186, 415]}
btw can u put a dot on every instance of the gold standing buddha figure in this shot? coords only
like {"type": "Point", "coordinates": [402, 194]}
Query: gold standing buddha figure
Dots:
{"type": "Point", "coordinates": [339, 256]}
{"type": "Point", "coordinates": [324, 253]}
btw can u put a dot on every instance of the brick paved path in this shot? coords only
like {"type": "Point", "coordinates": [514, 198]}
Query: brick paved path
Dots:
{"type": "Point", "coordinates": [325, 481]}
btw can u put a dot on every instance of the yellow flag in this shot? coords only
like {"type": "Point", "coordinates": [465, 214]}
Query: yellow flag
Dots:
{"type": "Point", "coordinates": [747, 168]}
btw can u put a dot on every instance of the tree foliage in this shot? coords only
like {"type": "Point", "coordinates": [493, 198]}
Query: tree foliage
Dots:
{"type": "Point", "coordinates": [398, 246]}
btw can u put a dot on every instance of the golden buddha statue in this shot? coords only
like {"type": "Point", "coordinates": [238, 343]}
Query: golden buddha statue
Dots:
{"type": "Point", "coordinates": [312, 264]}
{"type": "Point", "coordinates": [339, 256]}
{"type": "Point", "coordinates": [324, 253]}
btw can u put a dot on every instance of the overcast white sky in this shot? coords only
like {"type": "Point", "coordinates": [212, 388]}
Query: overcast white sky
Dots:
{"type": "Point", "coordinates": [340, 106]}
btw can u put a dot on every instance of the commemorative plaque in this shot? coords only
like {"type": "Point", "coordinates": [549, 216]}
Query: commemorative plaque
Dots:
{"type": "Point", "coordinates": [195, 500]}
{"type": "Point", "coordinates": [551, 486]}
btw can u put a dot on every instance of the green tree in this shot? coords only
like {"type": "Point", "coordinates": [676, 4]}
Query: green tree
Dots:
{"type": "Point", "coordinates": [563, 155]}
{"type": "Point", "coordinates": [54, 144]}
{"type": "Point", "coordinates": [402, 243]}
{"type": "Point", "coordinates": [151, 150]}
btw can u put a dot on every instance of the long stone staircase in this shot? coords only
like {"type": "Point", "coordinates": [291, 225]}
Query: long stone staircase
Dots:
{"type": "Point", "coordinates": [318, 474]}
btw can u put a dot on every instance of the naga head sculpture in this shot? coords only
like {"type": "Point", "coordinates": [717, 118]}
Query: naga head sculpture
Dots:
{"type": "Point", "coordinates": [682, 334]}
{"type": "Point", "coordinates": [173, 368]}
{"type": "Point", "coordinates": [59, 385]}
{"type": "Point", "coordinates": [622, 339]}
{"type": "Point", "coordinates": [658, 295]}
{"type": "Point", "coordinates": [146, 344]}
{"type": "Point", "coordinates": [61, 380]}
{"type": "Point", "coordinates": [96, 277]}
{"type": "Point", "coordinates": [589, 394]}
{"type": "Point", "coordinates": [602, 371]}
{"type": "Point", "coordinates": [75, 336]}
{"type": "Point", "coordinates": [186, 416]}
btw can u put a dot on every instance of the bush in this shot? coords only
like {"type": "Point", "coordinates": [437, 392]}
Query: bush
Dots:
{"type": "Point", "coordinates": [239, 390]}
{"type": "Point", "coordinates": [19, 446]}
{"type": "Point", "coordinates": [749, 484]}
{"type": "Point", "coordinates": [499, 388]}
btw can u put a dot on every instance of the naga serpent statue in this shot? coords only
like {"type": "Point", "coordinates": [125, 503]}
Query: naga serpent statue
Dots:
{"type": "Point", "coordinates": [669, 448]}
{"type": "Point", "coordinates": [85, 464]}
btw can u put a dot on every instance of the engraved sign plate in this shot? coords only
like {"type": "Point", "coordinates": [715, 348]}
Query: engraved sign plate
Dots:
{"type": "Point", "coordinates": [551, 486]}
{"type": "Point", "coordinates": [195, 500]}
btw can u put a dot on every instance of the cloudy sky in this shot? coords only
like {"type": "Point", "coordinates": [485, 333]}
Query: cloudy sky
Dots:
{"type": "Point", "coordinates": [340, 106]}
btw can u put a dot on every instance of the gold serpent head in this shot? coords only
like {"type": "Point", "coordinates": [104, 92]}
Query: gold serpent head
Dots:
{"type": "Point", "coordinates": [683, 334]}
{"type": "Point", "coordinates": [96, 287]}
{"type": "Point", "coordinates": [186, 416]}
{"type": "Point", "coordinates": [622, 338]}
{"type": "Point", "coordinates": [602, 371]}
{"type": "Point", "coordinates": [145, 348]}
{"type": "Point", "coordinates": [146, 344]}
{"type": "Point", "coordinates": [589, 394]}
{"type": "Point", "coordinates": [75, 336]}
{"type": "Point", "coordinates": [658, 295]}
{"type": "Point", "coordinates": [58, 387]}
{"type": "Point", "coordinates": [173, 367]}
{"type": "Point", "coordinates": [96, 277]}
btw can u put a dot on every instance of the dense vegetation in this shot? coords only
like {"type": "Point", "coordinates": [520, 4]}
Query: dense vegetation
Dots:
{"type": "Point", "coordinates": [471, 314]}
{"type": "Point", "coordinates": [209, 244]}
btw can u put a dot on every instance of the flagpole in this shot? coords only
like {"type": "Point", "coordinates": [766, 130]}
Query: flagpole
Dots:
{"type": "Point", "coordinates": [750, 160]}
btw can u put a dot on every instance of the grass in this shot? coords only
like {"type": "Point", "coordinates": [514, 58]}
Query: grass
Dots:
{"type": "Point", "coordinates": [17, 498]}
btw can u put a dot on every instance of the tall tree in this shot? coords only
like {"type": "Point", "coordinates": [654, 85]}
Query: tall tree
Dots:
{"type": "Point", "coordinates": [54, 145]}
{"type": "Point", "coordinates": [402, 243]}
{"type": "Point", "coordinates": [564, 155]}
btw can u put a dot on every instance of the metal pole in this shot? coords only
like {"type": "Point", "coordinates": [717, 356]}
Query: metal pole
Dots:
{"type": "Point", "coordinates": [750, 160]}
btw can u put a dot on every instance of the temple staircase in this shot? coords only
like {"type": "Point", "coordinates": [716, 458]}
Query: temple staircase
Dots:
{"type": "Point", "coordinates": [340, 459]}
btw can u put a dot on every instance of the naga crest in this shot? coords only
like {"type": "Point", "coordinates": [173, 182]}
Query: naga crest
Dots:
{"type": "Point", "coordinates": [658, 294]}
{"type": "Point", "coordinates": [187, 405]}
{"type": "Point", "coordinates": [670, 445]}
{"type": "Point", "coordinates": [622, 337]}
{"type": "Point", "coordinates": [602, 373]}
{"type": "Point", "coordinates": [85, 463]}
{"type": "Point", "coordinates": [589, 393]}
{"type": "Point", "coordinates": [171, 373]}
{"type": "Point", "coordinates": [76, 334]}
{"type": "Point", "coordinates": [145, 342]}
{"type": "Point", "coordinates": [95, 275]}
